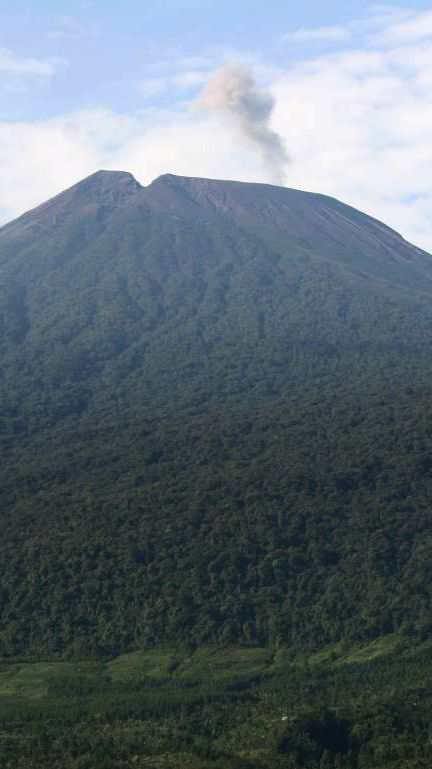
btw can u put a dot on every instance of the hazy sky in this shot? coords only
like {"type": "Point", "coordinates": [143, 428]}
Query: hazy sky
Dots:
{"type": "Point", "coordinates": [344, 89]}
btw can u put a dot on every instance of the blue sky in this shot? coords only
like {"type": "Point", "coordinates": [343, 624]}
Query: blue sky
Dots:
{"type": "Point", "coordinates": [108, 46]}
{"type": "Point", "coordinates": [113, 84]}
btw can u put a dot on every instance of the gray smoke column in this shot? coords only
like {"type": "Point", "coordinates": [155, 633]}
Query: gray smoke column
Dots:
{"type": "Point", "coordinates": [233, 91]}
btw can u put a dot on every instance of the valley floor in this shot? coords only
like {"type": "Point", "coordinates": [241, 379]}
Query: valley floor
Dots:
{"type": "Point", "coordinates": [231, 708]}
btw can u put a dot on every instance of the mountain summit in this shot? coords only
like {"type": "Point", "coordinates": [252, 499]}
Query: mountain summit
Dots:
{"type": "Point", "coordinates": [214, 400]}
{"type": "Point", "coordinates": [310, 222]}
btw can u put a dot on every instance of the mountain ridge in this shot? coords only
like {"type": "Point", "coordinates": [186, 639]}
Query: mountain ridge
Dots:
{"type": "Point", "coordinates": [200, 189]}
{"type": "Point", "coordinates": [312, 219]}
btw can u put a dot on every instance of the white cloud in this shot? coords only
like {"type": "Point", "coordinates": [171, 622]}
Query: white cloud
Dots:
{"type": "Point", "coordinates": [358, 125]}
{"type": "Point", "coordinates": [38, 160]}
{"type": "Point", "coordinates": [335, 34]}
{"type": "Point", "coordinates": [190, 78]}
{"type": "Point", "coordinates": [385, 25]}
{"type": "Point", "coordinates": [411, 28]}
{"type": "Point", "coordinates": [150, 87]}
{"type": "Point", "coordinates": [180, 73]}
{"type": "Point", "coordinates": [191, 146]}
{"type": "Point", "coordinates": [22, 66]}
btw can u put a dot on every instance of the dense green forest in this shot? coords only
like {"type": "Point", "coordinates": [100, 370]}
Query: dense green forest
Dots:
{"type": "Point", "coordinates": [301, 525]}
{"type": "Point", "coordinates": [215, 431]}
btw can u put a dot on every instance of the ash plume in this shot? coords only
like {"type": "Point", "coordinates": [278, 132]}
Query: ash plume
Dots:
{"type": "Point", "coordinates": [233, 92]}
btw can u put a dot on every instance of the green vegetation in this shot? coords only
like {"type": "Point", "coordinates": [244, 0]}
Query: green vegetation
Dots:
{"type": "Point", "coordinates": [230, 708]}
{"type": "Point", "coordinates": [301, 526]}
{"type": "Point", "coordinates": [215, 431]}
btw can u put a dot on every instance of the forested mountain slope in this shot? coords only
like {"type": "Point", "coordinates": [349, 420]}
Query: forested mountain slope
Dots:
{"type": "Point", "coordinates": [215, 420]}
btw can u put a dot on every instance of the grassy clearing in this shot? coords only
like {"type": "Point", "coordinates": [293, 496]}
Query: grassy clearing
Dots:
{"type": "Point", "coordinates": [226, 663]}
{"type": "Point", "coordinates": [158, 663]}
{"type": "Point", "coordinates": [31, 680]}
{"type": "Point", "coordinates": [378, 648]}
